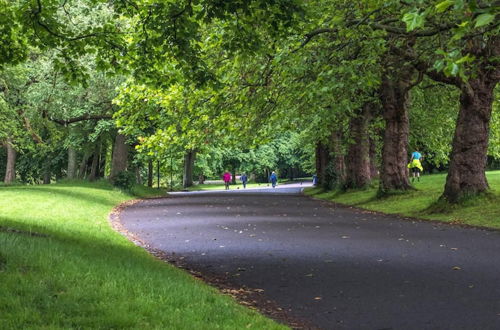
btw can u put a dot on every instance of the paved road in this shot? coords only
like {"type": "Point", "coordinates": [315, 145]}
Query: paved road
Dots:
{"type": "Point", "coordinates": [337, 267]}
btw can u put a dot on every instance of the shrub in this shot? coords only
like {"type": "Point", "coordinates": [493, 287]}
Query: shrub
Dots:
{"type": "Point", "coordinates": [124, 180]}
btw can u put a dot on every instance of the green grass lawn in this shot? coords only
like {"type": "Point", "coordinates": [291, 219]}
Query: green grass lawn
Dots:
{"type": "Point", "coordinates": [483, 211]}
{"type": "Point", "coordinates": [63, 267]}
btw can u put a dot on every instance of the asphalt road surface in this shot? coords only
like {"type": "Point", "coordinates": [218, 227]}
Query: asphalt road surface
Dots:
{"type": "Point", "coordinates": [337, 267]}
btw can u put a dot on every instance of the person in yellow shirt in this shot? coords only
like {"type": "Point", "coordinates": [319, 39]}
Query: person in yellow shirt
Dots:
{"type": "Point", "coordinates": [415, 165]}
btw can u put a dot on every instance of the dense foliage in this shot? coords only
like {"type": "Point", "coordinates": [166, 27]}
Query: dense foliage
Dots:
{"type": "Point", "coordinates": [344, 90]}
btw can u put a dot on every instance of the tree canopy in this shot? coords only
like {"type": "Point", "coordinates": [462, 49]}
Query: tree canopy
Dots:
{"type": "Point", "coordinates": [344, 90]}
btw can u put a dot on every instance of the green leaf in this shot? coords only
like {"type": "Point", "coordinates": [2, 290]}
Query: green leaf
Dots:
{"type": "Point", "coordinates": [413, 20]}
{"type": "Point", "coordinates": [442, 6]}
{"type": "Point", "coordinates": [439, 65]}
{"type": "Point", "coordinates": [484, 19]}
{"type": "Point", "coordinates": [465, 59]}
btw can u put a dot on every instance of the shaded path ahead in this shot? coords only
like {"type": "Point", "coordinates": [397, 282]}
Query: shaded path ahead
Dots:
{"type": "Point", "coordinates": [337, 267]}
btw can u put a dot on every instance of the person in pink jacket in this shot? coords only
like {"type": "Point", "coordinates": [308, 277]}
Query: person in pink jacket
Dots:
{"type": "Point", "coordinates": [227, 178]}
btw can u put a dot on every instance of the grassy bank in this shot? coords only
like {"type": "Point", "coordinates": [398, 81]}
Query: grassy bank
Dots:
{"type": "Point", "coordinates": [483, 211]}
{"type": "Point", "coordinates": [62, 267]}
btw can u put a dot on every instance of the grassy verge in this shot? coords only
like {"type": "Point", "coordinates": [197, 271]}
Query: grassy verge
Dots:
{"type": "Point", "coordinates": [478, 212]}
{"type": "Point", "coordinates": [63, 267]}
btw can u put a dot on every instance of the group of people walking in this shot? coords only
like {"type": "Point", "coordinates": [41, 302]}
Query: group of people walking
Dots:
{"type": "Point", "coordinates": [227, 177]}
{"type": "Point", "coordinates": [415, 167]}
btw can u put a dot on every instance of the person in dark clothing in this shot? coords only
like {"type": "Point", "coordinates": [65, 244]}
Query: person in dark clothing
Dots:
{"type": "Point", "coordinates": [274, 179]}
{"type": "Point", "coordinates": [244, 180]}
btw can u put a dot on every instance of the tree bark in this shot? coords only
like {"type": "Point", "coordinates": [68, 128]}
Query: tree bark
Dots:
{"type": "Point", "coordinates": [71, 163]}
{"type": "Point", "coordinates": [138, 177]}
{"type": "Point", "coordinates": [95, 163]}
{"type": "Point", "coordinates": [10, 170]}
{"type": "Point", "coordinates": [358, 154]}
{"type": "Point", "coordinates": [466, 175]}
{"type": "Point", "coordinates": [338, 157]}
{"type": "Point", "coordinates": [394, 95]}
{"type": "Point", "coordinates": [120, 155]}
{"type": "Point", "coordinates": [150, 173]}
{"type": "Point", "coordinates": [83, 166]}
{"type": "Point", "coordinates": [373, 160]}
{"type": "Point", "coordinates": [322, 158]}
{"type": "Point", "coordinates": [47, 175]}
{"type": "Point", "coordinates": [187, 178]}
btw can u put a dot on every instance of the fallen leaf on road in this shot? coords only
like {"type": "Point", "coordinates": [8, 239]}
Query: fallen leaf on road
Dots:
{"type": "Point", "coordinates": [456, 268]}
{"type": "Point", "coordinates": [454, 249]}
{"type": "Point", "coordinates": [317, 298]}
{"type": "Point", "coordinates": [309, 275]}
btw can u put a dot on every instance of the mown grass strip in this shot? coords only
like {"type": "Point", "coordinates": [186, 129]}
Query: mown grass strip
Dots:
{"type": "Point", "coordinates": [482, 211]}
{"type": "Point", "coordinates": [79, 273]}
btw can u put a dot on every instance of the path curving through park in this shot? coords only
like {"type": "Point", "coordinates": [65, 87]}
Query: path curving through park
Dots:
{"type": "Point", "coordinates": [338, 267]}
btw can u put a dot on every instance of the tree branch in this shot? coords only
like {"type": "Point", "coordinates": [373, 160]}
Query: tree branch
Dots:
{"type": "Point", "coordinates": [66, 122]}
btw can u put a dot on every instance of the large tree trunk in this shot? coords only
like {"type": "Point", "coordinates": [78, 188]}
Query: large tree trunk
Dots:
{"type": "Point", "coordinates": [394, 95]}
{"type": "Point", "coordinates": [466, 175]}
{"type": "Point", "coordinates": [373, 159]}
{"type": "Point", "coordinates": [120, 155]}
{"type": "Point", "coordinates": [71, 163]}
{"type": "Point", "coordinates": [83, 166]}
{"type": "Point", "coordinates": [338, 157]}
{"type": "Point", "coordinates": [322, 157]}
{"type": "Point", "coordinates": [150, 173]}
{"type": "Point", "coordinates": [47, 174]}
{"type": "Point", "coordinates": [95, 163]}
{"type": "Point", "coordinates": [187, 177]}
{"type": "Point", "coordinates": [358, 154]}
{"type": "Point", "coordinates": [10, 171]}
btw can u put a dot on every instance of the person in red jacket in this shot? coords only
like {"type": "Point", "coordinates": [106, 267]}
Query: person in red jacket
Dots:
{"type": "Point", "coordinates": [227, 178]}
